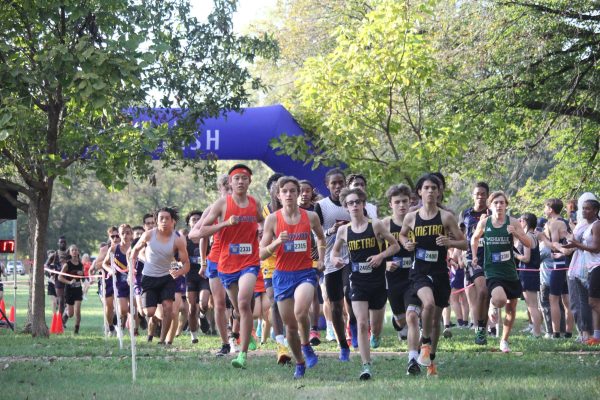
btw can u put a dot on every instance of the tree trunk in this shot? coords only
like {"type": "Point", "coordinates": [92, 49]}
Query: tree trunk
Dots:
{"type": "Point", "coordinates": [39, 211]}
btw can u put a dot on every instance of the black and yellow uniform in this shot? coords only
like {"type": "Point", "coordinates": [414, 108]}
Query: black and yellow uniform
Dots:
{"type": "Point", "coordinates": [366, 283]}
{"type": "Point", "coordinates": [499, 262]}
{"type": "Point", "coordinates": [399, 290]}
{"type": "Point", "coordinates": [430, 268]}
{"type": "Point", "coordinates": [73, 291]}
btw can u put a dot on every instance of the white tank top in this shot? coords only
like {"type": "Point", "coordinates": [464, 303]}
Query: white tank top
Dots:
{"type": "Point", "coordinates": [592, 260]}
{"type": "Point", "coordinates": [158, 256]}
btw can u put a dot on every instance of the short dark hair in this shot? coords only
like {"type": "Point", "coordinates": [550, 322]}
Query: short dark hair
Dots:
{"type": "Point", "coordinates": [347, 192]}
{"type": "Point", "coordinates": [189, 215]}
{"type": "Point", "coordinates": [334, 171]}
{"type": "Point", "coordinates": [352, 177]}
{"type": "Point", "coordinates": [483, 185]}
{"type": "Point", "coordinates": [398, 190]}
{"type": "Point", "coordinates": [594, 203]}
{"type": "Point", "coordinates": [171, 210]}
{"type": "Point", "coordinates": [287, 179]}
{"type": "Point", "coordinates": [137, 228]}
{"type": "Point", "coordinates": [146, 216]}
{"type": "Point", "coordinates": [239, 166]}
{"type": "Point", "coordinates": [428, 177]}
{"type": "Point", "coordinates": [273, 179]}
{"type": "Point", "coordinates": [555, 204]}
{"type": "Point", "coordinates": [531, 220]}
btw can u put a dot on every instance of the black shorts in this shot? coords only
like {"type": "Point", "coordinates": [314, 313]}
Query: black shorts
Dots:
{"type": "Point", "coordinates": [439, 284]}
{"type": "Point", "coordinates": [197, 283]}
{"type": "Point", "coordinates": [376, 295]}
{"type": "Point", "coordinates": [530, 281]}
{"type": "Point", "coordinates": [73, 294]}
{"type": "Point", "coordinates": [156, 290]}
{"type": "Point", "coordinates": [558, 282]}
{"type": "Point", "coordinates": [472, 273]}
{"type": "Point", "coordinates": [337, 284]}
{"type": "Point", "coordinates": [512, 289]}
{"type": "Point", "coordinates": [594, 283]}
{"type": "Point", "coordinates": [51, 290]}
{"type": "Point", "coordinates": [401, 295]}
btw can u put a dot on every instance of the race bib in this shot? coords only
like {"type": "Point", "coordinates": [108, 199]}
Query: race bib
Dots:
{"type": "Point", "coordinates": [362, 268]}
{"type": "Point", "coordinates": [76, 284]}
{"type": "Point", "coordinates": [481, 242]}
{"type": "Point", "coordinates": [501, 256]}
{"type": "Point", "coordinates": [426, 255]}
{"type": "Point", "coordinates": [295, 246]}
{"type": "Point", "coordinates": [403, 262]}
{"type": "Point", "coordinates": [195, 260]}
{"type": "Point", "coordinates": [242, 249]}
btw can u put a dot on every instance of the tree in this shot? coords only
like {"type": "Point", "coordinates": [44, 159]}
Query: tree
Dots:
{"type": "Point", "coordinates": [70, 72]}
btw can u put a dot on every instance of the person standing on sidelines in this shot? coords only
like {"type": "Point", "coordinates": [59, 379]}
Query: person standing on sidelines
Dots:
{"type": "Point", "coordinates": [158, 279]}
{"type": "Point", "coordinates": [287, 235]}
{"type": "Point", "coordinates": [364, 238]}
{"type": "Point", "coordinates": [504, 286]}
{"type": "Point", "coordinates": [73, 289]}
{"type": "Point", "coordinates": [105, 286]}
{"type": "Point", "coordinates": [430, 231]}
{"type": "Point", "coordinates": [239, 216]}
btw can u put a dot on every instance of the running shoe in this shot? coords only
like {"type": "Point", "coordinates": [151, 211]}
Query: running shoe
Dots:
{"type": "Point", "coordinates": [240, 361]}
{"type": "Point", "coordinates": [481, 337]}
{"type": "Point", "coordinates": [504, 346]}
{"type": "Point", "coordinates": [413, 367]}
{"type": "Point", "coordinates": [424, 356]}
{"type": "Point", "coordinates": [233, 345]}
{"type": "Point", "coordinates": [225, 349]}
{"type": "Point", "coordinates": [314, 337]}
{"type": "Point", "coordinates": [345, 355]}
{"type": "Point", "coordinates": [283, 357]}
{"type": "Point", "coordinates": [432, 370]}
{"type": "Point", "coordinates": [366, 372]}
{"type": "Point", "coordinates": [492, 331]}
{"type": "Point", "coordinates": [252, 343]}
{"type": "Point", "coordinates": [330, 336]}
{"type": "Point", "coordinates": [204, 325]}
{"type": "Point", "coordinates": [592, 341]}
{"type": "Point", "coordinates": [447, 333]}
{"type": "Point", "coordinates": [143, 323]}
{"type": "Point", "coordinates": [194, 340]}
{"type": "Point", "coordinates": [493, 314]}
{"type": "Point", "coordinates": [354, 333]}
{"type": "Point", "coordinates": [375, 342]}
{"type": "Point", "coordinates": [403, 333]}
{"type": "Point", "coordinates": [310, 356]}
{"type": "Point", "coordinates": [300, 370]}
{"type": "Point", "coordinates": [527, 329]}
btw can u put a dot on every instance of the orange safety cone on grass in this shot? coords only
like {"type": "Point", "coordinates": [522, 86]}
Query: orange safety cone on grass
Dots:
{"type": "Point", "coordinates": [3, 310]}
{"type": "Point", "coordinates": [59, 324]}
{"type": "Point", "coordinates": [53, 324]}
{"type": "Point", "coordinates": [11, 317]}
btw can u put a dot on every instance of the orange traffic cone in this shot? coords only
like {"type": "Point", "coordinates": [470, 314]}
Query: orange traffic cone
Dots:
{"type": "Point", "coordinates": [11, 317]}
{"type": "Point", "coordinates": [59, 325]}
{"type": "Point", "coordinates": [53, 324]}
{"type": "Point", "coordinates": [3, 310]}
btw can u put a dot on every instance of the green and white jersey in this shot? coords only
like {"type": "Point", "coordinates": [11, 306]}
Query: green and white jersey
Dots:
{"type": "Point", "coordinates": [498, 246]}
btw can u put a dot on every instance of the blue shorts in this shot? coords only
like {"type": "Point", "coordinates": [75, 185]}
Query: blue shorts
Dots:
{"type": "Point", "coordinates": [286, 282]}
{"type": "Point", "coordinates": [457, 278]}
{"type": "Point", "coordinates": [180, 285]}
{"type": "Point", "coordinates": [229, 279]}
{"type": "Point", "coordinates": [268, 283]}
{"type": "Point", "coordinates": [122, 289]}
{"type": "Point", "coordinates": [211, 269]}
{"type": "Point", "coordinates": [558, 280]}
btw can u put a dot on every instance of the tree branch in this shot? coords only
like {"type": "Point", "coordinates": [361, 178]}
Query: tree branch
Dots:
{"type": "Point", "coordinates": [544, 9]}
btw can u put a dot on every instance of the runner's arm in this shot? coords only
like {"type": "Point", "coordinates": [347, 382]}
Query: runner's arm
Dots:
{"type": "Point", "coordinates": [266, 243]}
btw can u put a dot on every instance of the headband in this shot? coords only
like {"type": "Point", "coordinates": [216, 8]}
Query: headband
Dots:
{"type": "Point", "coordinates": [240, 171]}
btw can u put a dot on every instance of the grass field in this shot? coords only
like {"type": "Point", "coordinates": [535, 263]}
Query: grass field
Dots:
{"type": "Point", "coordinates": [89, 366]}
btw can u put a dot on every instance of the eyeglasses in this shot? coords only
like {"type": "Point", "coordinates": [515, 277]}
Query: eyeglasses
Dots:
{"type": "Point", "coordinates": [353, 202]}
{"type": "Point", "coordinates": [114, 236]}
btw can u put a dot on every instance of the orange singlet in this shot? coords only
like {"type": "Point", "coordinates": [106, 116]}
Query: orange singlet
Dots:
{"type": "Point", "coordinates": [215, 248]}
{"type": "Point", "coordinates": [295, 254]}
{"type": "Point", "coordinates": [239, 243]}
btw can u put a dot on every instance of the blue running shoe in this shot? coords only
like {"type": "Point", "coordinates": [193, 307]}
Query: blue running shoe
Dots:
{"type": "Point", "coordinates": [345, 355]}
{"type": "Point", "coordinates": [300, 370]}
{"type": "Point", "coordinates": [375, 342]}
{"type": "Point", "coordinates": [310, 356]}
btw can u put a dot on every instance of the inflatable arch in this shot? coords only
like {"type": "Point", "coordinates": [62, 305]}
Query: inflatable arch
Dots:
{"type": "Point", "coordinates": [245, 136]}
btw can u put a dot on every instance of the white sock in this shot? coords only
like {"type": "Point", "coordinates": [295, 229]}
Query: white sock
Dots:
{"type": "Point", "coordinates": [413, 355]}
{"type": "Point", "coordinates": [194, 334]}
{"type": "Point", "coordinates": [329, 324]}
{"type": "Point", "coordinates": [280, 340]}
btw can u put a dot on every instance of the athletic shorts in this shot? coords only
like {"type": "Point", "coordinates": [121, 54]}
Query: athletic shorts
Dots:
{"type": "Point", "coordinates": [58, 285]}
{"type": "Point", "coordinates": [73, 294]}
{"type": "Point", "coordinates": [268, 282]}
{"type": "Point", "coordinates": [51, 290]}
{"type": "Point", "coordinates": [457, 278]}
{"type": "Point", "coordinates": [594, 283]}
{"type": "Point", "coordinates": [2, 287]}
{"type": "Point", "coordinates": [155, 290]}
{"type": "Point", "coordinates": [337, 284]}
{"type": "Point", "coordinates": [229, 279]}
{"type": "Point", "coordinates": [512, 289]}
{"type": "Point", "coordinates": [375, 295]}
{"type": "Point", "coordinates": [401, 295]}
{"type": "Point", "coordinates": [286, 282]}
{"type": "Point", "coordinates": [558, 280]}
{"type": "Point", "coordinates": [438, 283]}
{"type": "Point", "coordinates": [180, 285]}
{"type": "Point", "coordinates": [197, 283]}
{"type": "Point", "coordinates": [108, 287]}
{"type": "Point", "coordinates": [530, 280]}
{"type": "Point", "coordinates": [211, 269]}
{"type": "Point", "coordinates": [122, 289]}
{"type": "Point", "coordinates": [472, 272]}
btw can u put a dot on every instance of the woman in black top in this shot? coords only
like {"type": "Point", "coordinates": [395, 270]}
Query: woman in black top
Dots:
{"type": "Point", "coordinates": [73, 290]}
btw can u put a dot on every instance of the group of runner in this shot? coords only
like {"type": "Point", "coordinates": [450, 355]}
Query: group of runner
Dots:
{"type": "Point", "coordinates": [279, 262]}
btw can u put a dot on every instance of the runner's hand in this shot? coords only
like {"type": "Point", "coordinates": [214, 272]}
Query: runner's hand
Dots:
{"type": "Point", "coordinates": [410, 245]}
